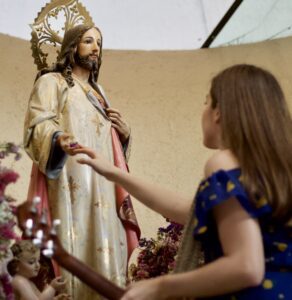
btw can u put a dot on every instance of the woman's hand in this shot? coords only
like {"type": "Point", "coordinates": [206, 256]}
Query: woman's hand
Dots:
{"type": "Point", "coordinates": [119, 124]}
{"type": "Point", "coordinates": [149, 289]}
{"type": "Point", "coordinates": [67, 143]}
{"type": "Point", "coordinates": [96, 161]}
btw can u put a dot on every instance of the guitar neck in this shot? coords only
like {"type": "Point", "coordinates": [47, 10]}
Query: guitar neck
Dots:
{"type": "Point", "coordinates": [97, 282]}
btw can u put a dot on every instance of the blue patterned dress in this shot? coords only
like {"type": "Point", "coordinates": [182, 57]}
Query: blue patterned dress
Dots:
{"type": "Point", "coordinates": [222, 185]}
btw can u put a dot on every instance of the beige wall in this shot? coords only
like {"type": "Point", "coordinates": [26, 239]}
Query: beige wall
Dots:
{"type": "Point", "coordinates": [160, 93]}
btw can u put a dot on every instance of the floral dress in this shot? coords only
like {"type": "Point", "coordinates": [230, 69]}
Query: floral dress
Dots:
{"type": "Point", "coordinates": [277, 240]}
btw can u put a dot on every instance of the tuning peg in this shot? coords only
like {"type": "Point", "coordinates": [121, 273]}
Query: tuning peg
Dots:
{"type": "Point", "coordinates": [56, 223]}
{"type": "Point", "coordinates": [39, 238]}
{"type": "Point", "coordinates": [44, 218]}
{"type": "Point", "coordinates": [40, 234]}
{"type": "Point", "coordinates": [28, 227]}
{"type": "Point", "coordinates": [35, 201]}
{"type": "Point", "coordinates": [49, 251]}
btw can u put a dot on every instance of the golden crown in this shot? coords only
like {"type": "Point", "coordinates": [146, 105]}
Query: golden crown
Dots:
{"type": "Point", "coordinates": [71, 12]}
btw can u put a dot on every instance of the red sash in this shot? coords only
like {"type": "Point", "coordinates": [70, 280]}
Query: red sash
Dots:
{"type": "Point", "coordinates": [124, 204]}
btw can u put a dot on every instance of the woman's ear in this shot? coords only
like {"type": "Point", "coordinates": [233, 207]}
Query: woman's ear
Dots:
{"type": "Point", "coordinates": [217, 115]}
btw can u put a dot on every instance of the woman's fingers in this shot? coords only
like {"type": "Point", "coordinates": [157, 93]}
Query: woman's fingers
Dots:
{"type": "Point", "coordinates": [83, 161]}
{"type": "Point", "coordinates": [83, 150]}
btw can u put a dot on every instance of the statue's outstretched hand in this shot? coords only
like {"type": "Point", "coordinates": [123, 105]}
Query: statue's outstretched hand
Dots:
{"type": "Point", "coordinates": [67, 143]}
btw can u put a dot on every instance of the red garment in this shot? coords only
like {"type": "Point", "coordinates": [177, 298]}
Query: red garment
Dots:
{"type": "Point", "coordinates": [124, 204]}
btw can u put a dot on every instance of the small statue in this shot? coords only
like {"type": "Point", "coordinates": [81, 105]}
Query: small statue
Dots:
{"type": "Point", "coordinates": [24, 266]}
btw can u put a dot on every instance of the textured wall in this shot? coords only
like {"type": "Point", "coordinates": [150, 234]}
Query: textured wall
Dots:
{"type": "Point", "coordinates": [160, 93]}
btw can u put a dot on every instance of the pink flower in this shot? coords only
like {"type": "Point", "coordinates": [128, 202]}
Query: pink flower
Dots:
{"type": "Point", "coordinates": [6, 176]}
{"type": "Point", "coordinates": [6, 230]}
{"type": "Point", "coordinates": [7, 222]}
{"type": "Point", "coordinates": [7, 288]}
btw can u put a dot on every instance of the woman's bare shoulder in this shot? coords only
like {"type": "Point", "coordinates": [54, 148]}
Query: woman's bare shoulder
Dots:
{"type": "Point", "coordinates": [221, 160]}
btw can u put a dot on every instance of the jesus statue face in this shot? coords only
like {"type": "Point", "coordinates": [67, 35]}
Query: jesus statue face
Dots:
{"type": "Point", "coordinates": [88, 49]}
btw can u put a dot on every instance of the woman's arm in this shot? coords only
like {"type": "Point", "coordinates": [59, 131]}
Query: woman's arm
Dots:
{"type": "Point", "coordinates": [163, 201]}
{"type": "Point", "coordinates": [166, 202]}
{"type": "Point", "coordinates": [240, 267]}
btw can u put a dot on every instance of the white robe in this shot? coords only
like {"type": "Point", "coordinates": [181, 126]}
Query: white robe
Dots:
{"type": "Point", "coordinates": [84, 201]}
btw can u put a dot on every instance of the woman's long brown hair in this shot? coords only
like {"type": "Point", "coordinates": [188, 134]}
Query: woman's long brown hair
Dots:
{"type": "Point", "coordinates": [257, 128]}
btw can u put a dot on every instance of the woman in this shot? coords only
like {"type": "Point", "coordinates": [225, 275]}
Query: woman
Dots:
{"type": "Point", "coordinates": [240, 224]}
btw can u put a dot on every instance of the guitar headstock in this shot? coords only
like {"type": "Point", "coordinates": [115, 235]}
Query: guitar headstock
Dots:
{"type": "Point", "coordinates": [35, 226]}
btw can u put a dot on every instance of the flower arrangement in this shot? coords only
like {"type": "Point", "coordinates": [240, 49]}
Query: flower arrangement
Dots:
{"type": "Point", "coordinates": [9, 148]}
{"type": "Point", "coordinates": [7, 220]}
{"type": "Point", "coordinates": [6, 227]}
{"type": "Point", "coordinates": [157, 256]}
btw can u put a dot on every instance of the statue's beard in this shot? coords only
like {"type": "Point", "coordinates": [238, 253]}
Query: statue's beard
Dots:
{"type": "Point", "coordinates": [85, 62]}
